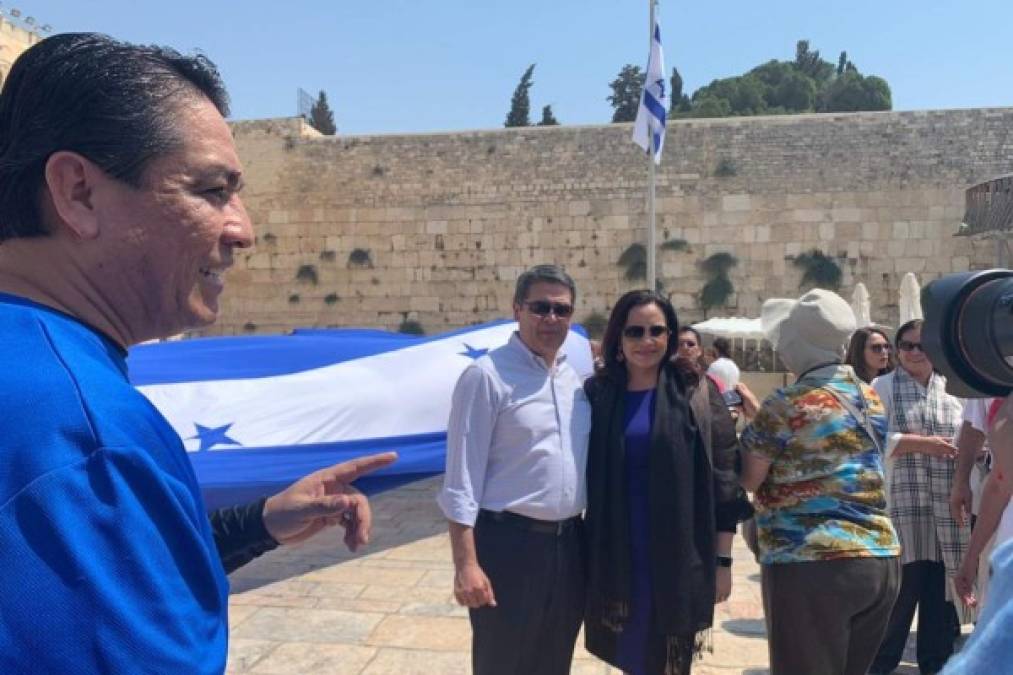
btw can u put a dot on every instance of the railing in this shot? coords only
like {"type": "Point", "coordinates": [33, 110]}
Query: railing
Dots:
{"type": "Point", "coordinates": [989, 207]}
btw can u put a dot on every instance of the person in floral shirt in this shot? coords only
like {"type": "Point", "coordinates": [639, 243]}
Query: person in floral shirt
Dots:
{"type": "Point", "coordinates": [827, 549]}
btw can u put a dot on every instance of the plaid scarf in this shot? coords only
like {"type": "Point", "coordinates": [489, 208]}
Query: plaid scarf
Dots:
{"type": "Point", "coordinates": [920, 484]}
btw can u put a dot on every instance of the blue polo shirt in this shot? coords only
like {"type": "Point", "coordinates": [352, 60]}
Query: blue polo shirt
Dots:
{"type": "Point", "coordinates": [107, 560]}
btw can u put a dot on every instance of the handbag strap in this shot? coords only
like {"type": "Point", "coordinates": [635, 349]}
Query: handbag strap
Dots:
{"type": "Point", "coordinates": [860, 415]}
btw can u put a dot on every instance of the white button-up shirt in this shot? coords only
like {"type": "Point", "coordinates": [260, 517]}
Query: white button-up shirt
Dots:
{"type": "Point", "coordinates": [517, 438]}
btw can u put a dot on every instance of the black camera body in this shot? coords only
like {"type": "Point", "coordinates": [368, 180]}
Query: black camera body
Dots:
{"type": "Point", "coordinates": [968, 331]}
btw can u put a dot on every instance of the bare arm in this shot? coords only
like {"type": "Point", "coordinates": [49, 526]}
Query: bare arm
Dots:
{"type": "Point", "coordinates": [969, 444]}
{"type": "Point", "coordinates": [472, 587]}
{"type": "Point", "coordinates": [934, 446]}
{"type": "Point", "coordinates": [754, 470]}
{"type": "Point", "coordinates": [994, 500]}
{"type": "Point", "coordinates": [750, 404]}
{"type": "Point", "coordinates": [723, 578]}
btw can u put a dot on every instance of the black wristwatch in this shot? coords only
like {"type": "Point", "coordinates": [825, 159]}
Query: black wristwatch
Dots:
{"type": "Point", "coordinates": [724, 561]}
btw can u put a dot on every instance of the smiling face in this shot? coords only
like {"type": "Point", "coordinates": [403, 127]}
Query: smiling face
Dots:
{"type": "Point", "coordinates": [910, 354]}
{"type": "Point", "coordinates": [646, 352]}
{"type": "Point", "coordinates": [876, 352]}
{"type": "Point", "coordinates": [544, 334]}
{"type": "Point", "coordinates": [174, 236]}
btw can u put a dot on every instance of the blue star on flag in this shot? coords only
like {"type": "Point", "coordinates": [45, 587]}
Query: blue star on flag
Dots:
{"type": "Point", "coordinates": [211, 436]}
{"type": "Point", "coordinates": [472, 353]}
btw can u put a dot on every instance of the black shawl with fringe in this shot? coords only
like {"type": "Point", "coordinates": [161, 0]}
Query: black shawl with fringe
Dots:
{"type": "Point", "coordinates": [682, 527]}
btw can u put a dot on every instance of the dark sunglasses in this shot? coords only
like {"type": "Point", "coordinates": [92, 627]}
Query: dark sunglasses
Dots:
{"type": "Point", "coordinates": [637, 332]}
{"type": "Point", "coordinates": [906, 346]}
{"type": "Point", "coordinates": [543, 308]}
{"type": "Point", "coordinates": [880, 348]}
{"type": "Point", "coordinates": [688, 343]}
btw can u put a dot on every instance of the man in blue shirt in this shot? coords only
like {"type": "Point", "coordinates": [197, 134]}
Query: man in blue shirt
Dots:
{"type": "Point", "coordinates": [119, 214]}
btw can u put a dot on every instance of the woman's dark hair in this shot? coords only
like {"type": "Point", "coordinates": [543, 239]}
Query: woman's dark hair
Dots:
{"type": "Point", "coordinates": [723, 347]}
{"type": "Point", "coordinates": [855, 356]}
{"type": "Point", "coordinates": [909, 326]}
{"type": "Point", "coordinates": [114, 103]}
{"type": "Point", "coordinates": [611, 342]}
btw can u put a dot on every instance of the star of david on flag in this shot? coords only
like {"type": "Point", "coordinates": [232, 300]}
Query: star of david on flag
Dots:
{"type": "Point", "coordinates": [649, 127]}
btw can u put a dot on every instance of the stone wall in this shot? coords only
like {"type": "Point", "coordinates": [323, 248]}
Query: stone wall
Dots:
{"type": "Point", "coordinates": [13, 40]}
{"type": "Point", "coordinates": [374, 230]}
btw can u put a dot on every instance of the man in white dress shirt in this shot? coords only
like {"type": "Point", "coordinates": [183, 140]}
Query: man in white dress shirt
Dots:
{"type": "Point", "coordinates": [514, 488]}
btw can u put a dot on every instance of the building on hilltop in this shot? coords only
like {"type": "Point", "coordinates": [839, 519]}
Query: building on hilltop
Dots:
{"type": "Point", "coordinates": [15, 37]}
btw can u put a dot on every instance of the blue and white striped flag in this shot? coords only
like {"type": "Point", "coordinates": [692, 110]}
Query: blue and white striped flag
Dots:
{"type": "Point", "coordinates": [256, 413]}
{"type": "Point", "coordinates": [649, 128]}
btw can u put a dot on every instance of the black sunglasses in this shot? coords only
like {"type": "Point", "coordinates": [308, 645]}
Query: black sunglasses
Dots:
{"type": "Point", "coordinates": [880, 348]}
{"type": "Point", "coordinates": [906, 346]}
{"type": "Point", "coordinates": [543, 308]}
{"type": "Point", "coordinates": [637, 332]}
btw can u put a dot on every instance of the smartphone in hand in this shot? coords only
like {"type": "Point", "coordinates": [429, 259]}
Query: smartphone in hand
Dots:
{"type": "Point", "coordinates": [732, 398]}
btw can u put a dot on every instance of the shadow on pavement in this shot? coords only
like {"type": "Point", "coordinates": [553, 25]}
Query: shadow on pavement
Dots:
{"type": "Point", "coordinates": [752, 628]}
{"type": "Point", "coordinates": [401, 516]}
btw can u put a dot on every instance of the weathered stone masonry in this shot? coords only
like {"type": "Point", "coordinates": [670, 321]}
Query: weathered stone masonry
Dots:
{"type": "Point", "coordinates": [449, 220]}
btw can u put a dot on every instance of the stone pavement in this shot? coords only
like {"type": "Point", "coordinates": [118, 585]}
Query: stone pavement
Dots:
{"type": "Point", "coordinates": [316, 608]}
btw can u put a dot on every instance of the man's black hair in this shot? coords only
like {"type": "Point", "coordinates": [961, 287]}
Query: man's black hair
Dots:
{"type": "Point", "coordinates": [549, 273]}
{"type": "Point", "coordinates": [112, 102]}
{"type": "Point", "coordinates": [723, 346]}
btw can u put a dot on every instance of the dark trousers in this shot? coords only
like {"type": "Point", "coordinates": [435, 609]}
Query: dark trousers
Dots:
{"type": "Point", "coordinates": [827, 617]}
{"type": "Point", "coordinates": [923, 584]}
{"type": "Point", "coordinates": [538, 581]}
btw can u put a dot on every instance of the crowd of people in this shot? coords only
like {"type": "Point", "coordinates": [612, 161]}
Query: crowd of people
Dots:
{"type": "Point", "coordinates": [855, 472]}
{"type": "Point", "coordinates": [610, 502]}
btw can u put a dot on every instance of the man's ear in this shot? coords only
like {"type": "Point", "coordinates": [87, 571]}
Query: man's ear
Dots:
{"type": "Point", "coordinates": [71, 181]}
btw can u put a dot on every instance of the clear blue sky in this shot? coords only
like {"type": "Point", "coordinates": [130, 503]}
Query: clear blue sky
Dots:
{"type": "Point", "coordinates": [433, 65]}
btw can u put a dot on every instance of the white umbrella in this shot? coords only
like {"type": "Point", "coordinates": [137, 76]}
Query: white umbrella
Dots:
{"type": "Point", "coordinates": [732, 327]}
{"type": "Point", "coordinates": [861, 306]}
{"type": "Point", "coordinates": [910, 299]}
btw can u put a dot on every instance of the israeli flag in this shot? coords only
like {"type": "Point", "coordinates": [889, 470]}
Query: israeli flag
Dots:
{"type": "Point", "coordinates": [256, 413]}
{"type": "Point", "coordinates": [649, 127]}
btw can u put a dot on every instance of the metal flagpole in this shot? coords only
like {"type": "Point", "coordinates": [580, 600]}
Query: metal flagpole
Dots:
{"type": "Point", "coordinates": [652, 275]}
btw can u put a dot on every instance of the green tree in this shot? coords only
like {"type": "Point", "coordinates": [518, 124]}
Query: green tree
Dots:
{"type": "Point", "coordinates": [321, 117]}
{"type": "Point", "coordinates": [520, 104]}
{"type": "Point", "coordinates": [794, 93]}
{"type": "Point", "coordinates": [679, 101]}
{"type": "Point", "coordinates": [548, 119]}
{"type": "Point", "coordinates": [744, 94]}
{"type": "Point", "coordinates": [625, 98]}
{"type": "Point", "coordinates": [852, 92]}
{"type": "Point", "coordinates": [711, 106]}
{"type": "Point", "coordinates": [809, 62]}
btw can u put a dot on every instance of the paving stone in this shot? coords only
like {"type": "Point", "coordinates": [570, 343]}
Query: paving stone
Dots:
{"type": "Point", "coordinates": [244, 653]}
{"type": "Point", "coordinates": [418, 662]}
{"type": "Point", "coordinates": [239, 613]}
{"type": "Point", "coordinates": [308, 625]}
{"type": "Point", "coordinates": [392, 610]}
{"type": "Point", "coordinates": [303, 658]}
{"type": "Point", "coordinates": [423, 632]}
{"type": "Point", "coordinates": [360, 574]}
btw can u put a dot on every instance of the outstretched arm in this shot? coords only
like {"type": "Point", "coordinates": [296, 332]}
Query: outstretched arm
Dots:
{"type": "Point", "coordinates": [315, 502]}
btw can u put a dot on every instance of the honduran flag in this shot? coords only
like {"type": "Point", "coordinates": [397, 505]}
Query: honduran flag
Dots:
{"type": "Point", "coordinates": [256, 413]}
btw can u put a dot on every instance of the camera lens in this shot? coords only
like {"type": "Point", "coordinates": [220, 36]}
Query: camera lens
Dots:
{"type": "Point", "coordinates": [968, 331]}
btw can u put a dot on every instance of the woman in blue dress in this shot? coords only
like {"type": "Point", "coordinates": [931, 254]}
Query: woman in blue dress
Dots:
{"type": "Point", "coordinates": [654, 501]}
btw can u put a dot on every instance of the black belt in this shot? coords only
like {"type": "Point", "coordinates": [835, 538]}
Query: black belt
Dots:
{"type": "Point", "coordinates": [553, 527]}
